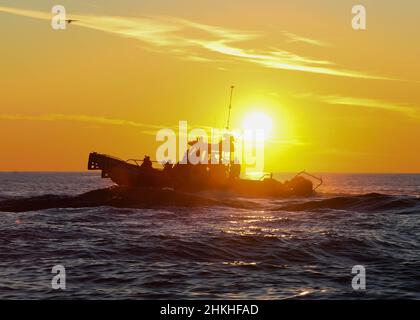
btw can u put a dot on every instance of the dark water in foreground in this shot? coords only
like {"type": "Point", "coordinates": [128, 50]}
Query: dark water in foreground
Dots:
{"type": "Point", "coordinates": [266, 249]}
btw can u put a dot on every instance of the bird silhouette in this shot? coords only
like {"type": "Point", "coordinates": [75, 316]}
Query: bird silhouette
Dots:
{"type": "Point", "coordinates": [70, 20]}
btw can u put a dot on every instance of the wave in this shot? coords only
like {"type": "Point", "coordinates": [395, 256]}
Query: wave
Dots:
{"type": "Point", "coordinates": [143, 198]}
{"type": "Point", "coordinates": [209, 251]}
{"type": "Point", "coordinates": [371, 202]}
{"type": "Point", "coordinates": [119, 197]}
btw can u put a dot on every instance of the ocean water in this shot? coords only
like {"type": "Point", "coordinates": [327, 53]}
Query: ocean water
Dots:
{"type": "Point", "coordinates": [241, 248]}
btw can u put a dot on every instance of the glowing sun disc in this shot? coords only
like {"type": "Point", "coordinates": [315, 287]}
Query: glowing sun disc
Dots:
{"type": "Point", "coordinates": [258, 121]}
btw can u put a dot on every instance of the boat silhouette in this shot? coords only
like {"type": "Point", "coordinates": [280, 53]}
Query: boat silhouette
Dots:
{"type": "Point", "coordinates": [219, 175]}
{"type": "Point", "coordinates": [188, 177]}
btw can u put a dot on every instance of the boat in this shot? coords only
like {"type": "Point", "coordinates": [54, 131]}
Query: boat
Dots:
{"type": "Point", "coordinates": [219, 175]}
{"type": "Point", "coordinates": [135, 173]}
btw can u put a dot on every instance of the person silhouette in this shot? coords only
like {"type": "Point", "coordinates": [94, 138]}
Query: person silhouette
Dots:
{"type": "Point", "coordinates": [147, 163]}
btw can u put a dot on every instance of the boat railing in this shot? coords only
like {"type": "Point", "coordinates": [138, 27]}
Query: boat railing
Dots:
{"type": "Point", "coordinates": [319, 179]}
{"type": "Point", "coordinates": [138, 162]}
{"type": "Point", "coordinates": [270, 175]}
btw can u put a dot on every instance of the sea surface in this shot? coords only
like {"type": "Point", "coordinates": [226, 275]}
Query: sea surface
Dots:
{"type": "Point", "coordinates": [263, 249]}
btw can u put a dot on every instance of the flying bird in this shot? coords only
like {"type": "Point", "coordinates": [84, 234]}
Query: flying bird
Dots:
{"type": "Point", "coordinates": [70, 20]}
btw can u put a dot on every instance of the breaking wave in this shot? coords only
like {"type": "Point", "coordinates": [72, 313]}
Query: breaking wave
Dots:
{"type": "Point", "coordinates": [372, 202]}
{"type": "Point", "coordinates": [120, 197]}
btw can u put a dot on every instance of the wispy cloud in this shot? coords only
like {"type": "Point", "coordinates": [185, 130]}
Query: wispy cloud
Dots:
{"type": "Point", "coordinates": [144, 128]}
{"type": "Point", "coordinates": [78, 118]}
{"type": "Point", "coordinates": [201, 42]}
{"type": "Point", "coordinates": [285, 60]}
{"type": "Point", "coordinates": [408, 110]}
{"type": "Point", "coordinates": [97, 120]}
{"type": "Point", "coordinates": [293, 141]}
{"type": "Point", "coordinates": [292, 37]}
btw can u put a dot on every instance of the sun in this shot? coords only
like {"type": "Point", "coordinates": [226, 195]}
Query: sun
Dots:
{"type": "Point", "coordinates": [258, 121]}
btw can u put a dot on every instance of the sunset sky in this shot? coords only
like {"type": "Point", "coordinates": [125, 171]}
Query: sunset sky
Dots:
{"type": "Point", "coordinates": [340, 100]}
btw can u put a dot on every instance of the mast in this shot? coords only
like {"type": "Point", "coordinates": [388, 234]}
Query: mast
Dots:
{"type": "Point", "coordinates": [230, 107]}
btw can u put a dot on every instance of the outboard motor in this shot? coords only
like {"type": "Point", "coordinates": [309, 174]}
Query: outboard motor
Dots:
{"type": "Point", "coordinates": [300, 186]}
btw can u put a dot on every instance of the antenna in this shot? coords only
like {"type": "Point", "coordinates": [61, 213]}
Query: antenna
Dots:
{"type": "Point", "coordinates": [230, 107]}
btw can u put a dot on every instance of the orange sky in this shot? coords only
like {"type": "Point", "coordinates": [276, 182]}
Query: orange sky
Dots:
{"type": "Point", "coordinates": [340, 100]}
